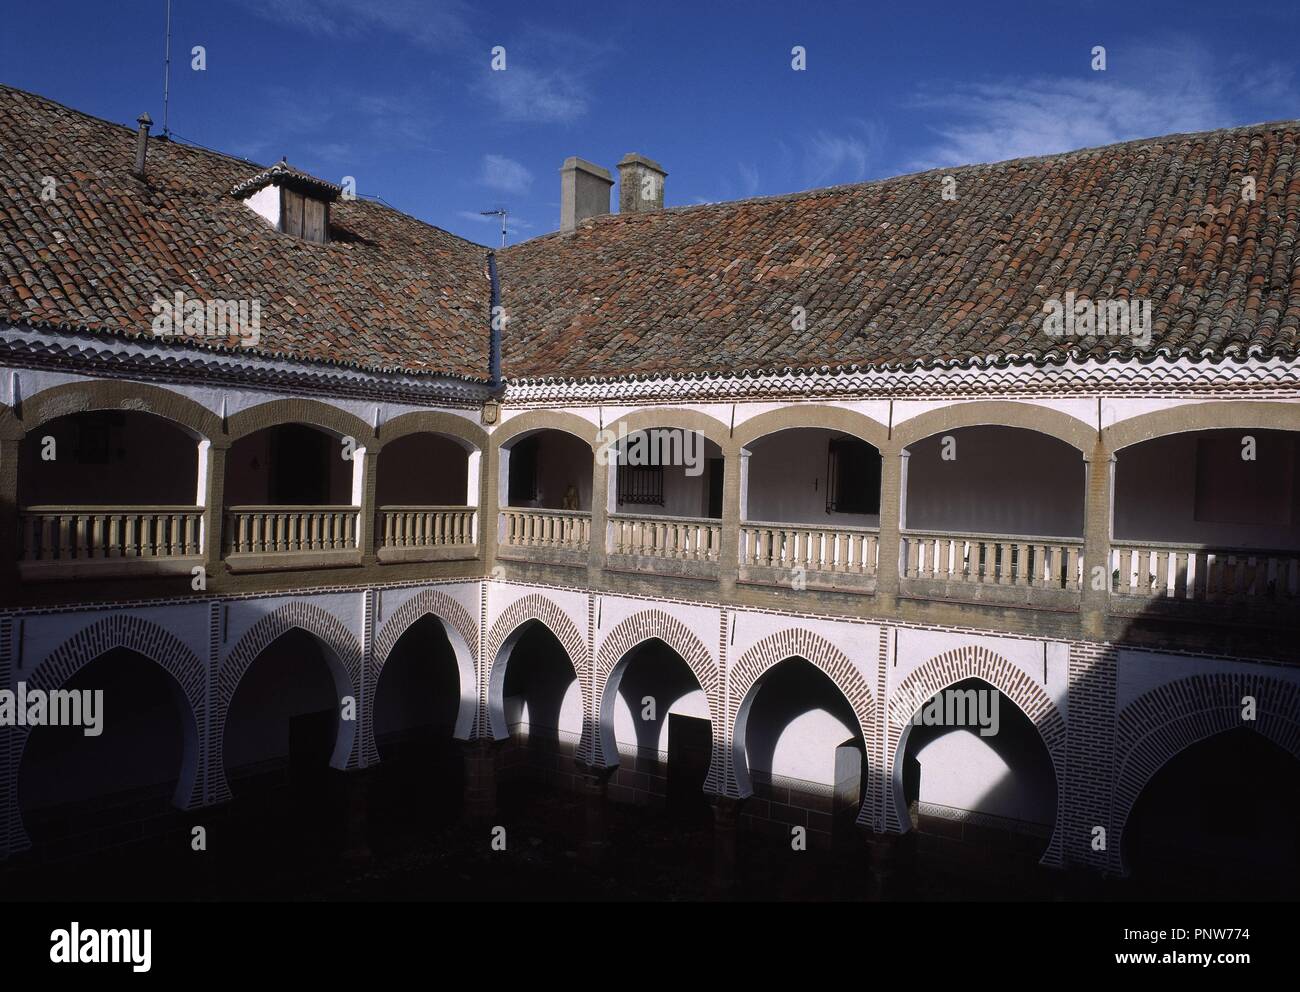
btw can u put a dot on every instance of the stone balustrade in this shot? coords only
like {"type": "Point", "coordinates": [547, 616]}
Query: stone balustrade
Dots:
{"type": "Point", "coordinates": [1183, 573]}
{"type": "Point", "coordinates": [426, 533]}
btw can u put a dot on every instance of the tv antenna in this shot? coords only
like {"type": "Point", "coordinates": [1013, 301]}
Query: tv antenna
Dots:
{"type": "Point", "coordinates": [498, 212]}
{"type": "Point", "coordinates": [167, 69]}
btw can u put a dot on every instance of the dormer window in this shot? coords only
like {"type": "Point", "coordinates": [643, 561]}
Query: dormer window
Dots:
{"type": "Point", "coordinates": [291, 201]}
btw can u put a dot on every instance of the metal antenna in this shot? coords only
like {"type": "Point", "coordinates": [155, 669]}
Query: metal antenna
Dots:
{"type": "Point", "coordinates": [167, 69]}
{"type": "Point", "coordinates": [498, 212]}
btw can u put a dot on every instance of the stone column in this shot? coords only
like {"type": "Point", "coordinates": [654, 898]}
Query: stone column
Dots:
{"type": "Point", "coordinates": [1098, 513]}
{"type": "Point", "coordinates": [355, 786]}
{"type": "Point", "coordinates": [893, 506]}
{"type": "Point", "coordinates": [491, 499]}
{"type": "Point", "coordinates": [214, 500]}
{"type": "Point", "coordinates": [593, 788]}
{"type": "Point", "coordinates": [726, 830]}
{"type": "Point", "coordinates": [481, 757]}
{"type": "Point", "coordinates": [10, 448]}
{"type": "Point", "coordinates": [603, 489]}
{"type": "Point", "coordinates": [735, 469]}
{"type": "Point", "coordinates": [367, 484]}
{"type": "Point", "coordinates": [882, 863]}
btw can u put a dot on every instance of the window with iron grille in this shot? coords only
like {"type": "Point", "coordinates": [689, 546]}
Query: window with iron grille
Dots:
{"type": "Point", "coordinates": [852, 476]}
{"type": "Point", "coordinates": [641, 484]}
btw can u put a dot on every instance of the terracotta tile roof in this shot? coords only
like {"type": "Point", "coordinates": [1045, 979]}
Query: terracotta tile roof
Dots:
{"type": "Point", "coordinates": [891, 274]}
{"type": "Point", "coordinates": [389, 292]}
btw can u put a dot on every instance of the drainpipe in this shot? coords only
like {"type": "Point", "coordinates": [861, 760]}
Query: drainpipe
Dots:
{"type": "Point", "coordinates": [494, 334]}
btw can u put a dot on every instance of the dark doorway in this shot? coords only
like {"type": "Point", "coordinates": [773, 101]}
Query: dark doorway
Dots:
{"type": "Point", "coordinates": [715, 488]}
{"type": "Point", "coordinates": [1221, 820]}
{"type": "Point", "coordinates": [690, 747]}
{"type": "Point", "coordinates": [300, 467]}
{"type": "Point", "coordinates": [311, 745]}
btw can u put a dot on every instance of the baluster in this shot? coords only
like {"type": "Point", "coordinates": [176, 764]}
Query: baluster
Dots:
{"type": "Point", "coordinates": [1200, 580]}
{"type": "Point", "coordinates": [1249, 571]}
{"type": "Point", "coordinates": [1126, 570]}
{"type": "Point", "coordinates": [1161, 588]}
{"type": "Point", "coordinates": [49, 528]}
{"type": "Point", "coordinates": [1180, 574]}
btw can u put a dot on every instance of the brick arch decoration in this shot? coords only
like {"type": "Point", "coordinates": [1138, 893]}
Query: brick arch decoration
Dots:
{"type": "Point", "coordinates": [326, 628]}
{"type": "Point", "coordinates": [1013, 682]}
{"type": "Point", "coordinates": [534, 606]}
{"type": "Point", "coordinates": [798, 642]}
{"type": "Point", "coordinates": [1159, 725]}
{"type": "Point", "coordinates": [629, 633]}
{"type": "Point", "coordinates": [149, 640]}
{"type": "Point", "coordinates": [460, 627]}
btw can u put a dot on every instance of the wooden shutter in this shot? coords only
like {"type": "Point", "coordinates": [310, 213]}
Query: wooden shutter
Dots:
{"type": "Point", "coordinates": [291, 220]}
{"type": "Point", "coordinates": [315, 220]}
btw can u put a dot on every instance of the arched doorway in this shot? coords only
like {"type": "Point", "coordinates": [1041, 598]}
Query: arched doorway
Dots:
{"type": "Point", "coordinates": [542, 702]}
{"type": "Point", "coordinates": [803, 752]}
{"type": "Point", "coordinates": [655, 718]}
{"type": "Point", "coordinates": [137, 764]}
{"type": "Point", "coordinates": [419, 780]}
{"type": "Point", "coordinates": [282, 735]}
{"type": "Point", "coordinates": [974, 769]}
{"type": "Point", "coordinates": [1220, 820]}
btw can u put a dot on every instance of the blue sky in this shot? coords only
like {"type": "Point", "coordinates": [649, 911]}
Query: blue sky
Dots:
{"type": "Point", "coordinates": [401, 94]}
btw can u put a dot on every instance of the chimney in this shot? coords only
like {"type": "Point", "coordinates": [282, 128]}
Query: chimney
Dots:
{"type": "Point", "coordinates": [640, 184]}
{"type": "Point", "coordinates": [142, 142]}
{"type": "Point", "coordinates": [584, 192]}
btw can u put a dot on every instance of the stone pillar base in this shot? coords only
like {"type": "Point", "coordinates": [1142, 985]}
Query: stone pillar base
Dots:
{"type": "Point", "coordinates": [481, 757]}
{"type": "Point", "coordinates": [886, 854]}
{"type": "Point", "coordinates": [355, 786]}
{"type": "Point", "coordinates": [593, 784]}
{"type": "Point", "coordinates": [726, 821]}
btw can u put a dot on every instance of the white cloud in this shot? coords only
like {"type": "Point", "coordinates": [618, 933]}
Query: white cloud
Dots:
{"type": "Point", "coordinates": [439, 24]}
{"type": "Point", "coordinates": [524, 94]}
{"type": "Point", "coordinates": [843, 155]}
{"type": "Point", "coordinates": [1142, 94]}
{"type": "Point", "coordinates": [506, 175]}
{"type": "Point", "coordinates": [749, 181]}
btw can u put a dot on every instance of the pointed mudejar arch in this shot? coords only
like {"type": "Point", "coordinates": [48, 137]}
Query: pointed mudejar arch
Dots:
{"type": "Point", "coordinates": [149, 641]}
{"type": "Point", "coordinates": [598, 747]}
{"type": "Point", "coordinates": [501, 640]}
{"type": "Point", "coordinates": [342, 655]}
{"type": "Point", "coordinates": [1162, 723]}
{"type": "Point", "coordinates": [958, 665]}
{"type": "Point", "coordinates": [746, 675]}
{"type": "Point", "coordinates": [462, 632]}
